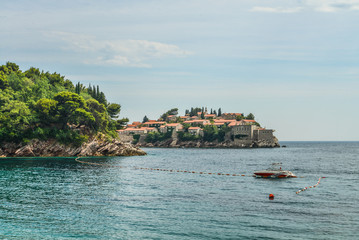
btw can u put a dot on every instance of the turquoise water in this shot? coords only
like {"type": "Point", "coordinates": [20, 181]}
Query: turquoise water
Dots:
{"type": "Point", "coordinates": [59, 198]}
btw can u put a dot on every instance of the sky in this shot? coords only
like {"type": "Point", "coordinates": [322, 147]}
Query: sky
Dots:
{"type": "Point", "coordinates": [294, 64]}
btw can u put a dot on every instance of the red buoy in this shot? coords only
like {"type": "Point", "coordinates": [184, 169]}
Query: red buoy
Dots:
{"type": "Point", "coordinates": [271, 196]}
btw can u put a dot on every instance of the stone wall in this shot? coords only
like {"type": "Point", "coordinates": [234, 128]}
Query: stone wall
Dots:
{"type": "Point", "coordinates": [243, 130]}
{"type": "Point", "coordinates": [263, 135]}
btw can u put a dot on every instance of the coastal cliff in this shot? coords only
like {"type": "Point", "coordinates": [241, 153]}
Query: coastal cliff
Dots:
{"type": "Point", "coordinates": [52, 148]}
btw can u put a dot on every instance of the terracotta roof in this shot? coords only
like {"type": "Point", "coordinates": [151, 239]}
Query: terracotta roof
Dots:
{"type": "Point", "coordinates": [233, 124]}
{"type": "Point", "coordinates": [135, 129]}
{"type": "Point", "coordinates": [153, 122]}
{"type": "Point", "coordinates": [224, 121]}
{"type": "Point", "coordinates": [194, 128]}
{"type": "Point", "coordinates": [248, 120]}
{"type": "Point", "coordinates": [172, 124]}
{"type": "Point", "coordinates": [237, 114]}
{"type": "Point", "coordinates": [200, 120]}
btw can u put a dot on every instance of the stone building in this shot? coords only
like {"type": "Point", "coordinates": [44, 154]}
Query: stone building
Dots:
{"type": "Point", "coordinates": [243, 131]}
{"type": "Point", "coordinates": [263, 134]}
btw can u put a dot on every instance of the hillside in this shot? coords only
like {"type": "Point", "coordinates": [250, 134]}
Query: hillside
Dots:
{"type": "Point", "coordinates": [43, 106]}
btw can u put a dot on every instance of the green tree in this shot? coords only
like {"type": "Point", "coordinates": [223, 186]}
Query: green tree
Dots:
{"type": "Point", "coordinates": [33, 73]}
{"type": "Point", "coordinates": [210, 133]}
{"type": "Point", "coordinates": [4, 83]}
{"type": "Point", "coordinates": [99, 112]}
{"type": "Point", "coordinates": [173, 111]}
{"type": "Point", "coordinates": [250, 116]}
{"type": "Point", "coordinates": [46, 110]}
{"type": "Point", "coordinates": [145, 119]}
{"type": "Point", "coordinates": [13, 67]}
{"type": "Point", "coordinates": [240, 117]}
{"type": "Point", "coordinates": [121, 123]}
{"type": "Point", "coordinates": [113, 110]}
{"type": "Point", "coordinates": [67, 104]}
{"type": "Point", "coordinates": [15, 119]}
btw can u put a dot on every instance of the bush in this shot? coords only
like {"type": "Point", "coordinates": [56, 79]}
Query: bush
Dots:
{"type": "Point", "coordinates": [70, 137]}
{"type": "Point", "coordinates": [153, 137]}
{"type": "Point", "coordinates": [136, 138]}
{"type": "Point", "coordinates": [185, 136]}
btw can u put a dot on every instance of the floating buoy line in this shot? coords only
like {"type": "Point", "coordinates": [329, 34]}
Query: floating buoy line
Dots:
{"type": "Point", "coordinates": [306, 188]}
{"type": "Point", "coordinates": [160, 169]}
{"type": "Point", "coordinates": [271, 196]}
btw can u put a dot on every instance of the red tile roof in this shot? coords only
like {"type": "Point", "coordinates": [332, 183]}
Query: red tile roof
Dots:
{"type": "Point", "coordinates": [172, 124]}
{"type": "Point", "coordinates": [153, 122]}
{"type": "Point", "coordinates": [248, 120]}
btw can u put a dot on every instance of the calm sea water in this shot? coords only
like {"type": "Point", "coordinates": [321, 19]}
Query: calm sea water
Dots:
{"type": "Point", "coordinates": [59, 198]}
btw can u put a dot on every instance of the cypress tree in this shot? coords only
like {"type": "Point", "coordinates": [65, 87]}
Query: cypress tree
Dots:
{"type": "Point", "coordinates": [98, 92]}
{"type": "Point", "coordinates": [89, 89]}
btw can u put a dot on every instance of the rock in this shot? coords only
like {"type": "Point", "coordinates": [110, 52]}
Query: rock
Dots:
{"type": "Point", "coordinates": [52, 148]}
{"type": "Point", "coordinates": [171, 143]}
{"type": "Point", "coordinates": [25, 151]}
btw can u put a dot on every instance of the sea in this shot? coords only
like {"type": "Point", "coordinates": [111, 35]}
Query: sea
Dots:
{"type": "Point", "coordinates": [184, 194]}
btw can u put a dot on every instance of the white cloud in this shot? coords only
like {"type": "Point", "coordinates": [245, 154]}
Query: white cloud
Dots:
{"type": "Point", "coordinates": [316, 5]}
{"type": "Point", "coordinates": [130, 53]}
{"type": "Point", "coordinates": [276, 9]}
{"type": "Point", "coordinates": [332, 5]}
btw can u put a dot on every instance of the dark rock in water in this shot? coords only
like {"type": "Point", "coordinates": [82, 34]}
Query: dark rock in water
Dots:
{"type": "Point", "coordinates": [52, 148]}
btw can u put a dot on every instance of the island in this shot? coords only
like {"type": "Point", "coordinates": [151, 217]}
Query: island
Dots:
{"type": "Point", "coordinates": [199, 128]}
{"type": "Point", "coordinates": [44, 114]}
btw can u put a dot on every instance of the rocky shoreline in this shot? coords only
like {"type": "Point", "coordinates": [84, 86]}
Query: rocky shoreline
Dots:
{"type": "Point", "coordinates": [174, 143]}
{"type": "Point", "coordinates": [52, 148]}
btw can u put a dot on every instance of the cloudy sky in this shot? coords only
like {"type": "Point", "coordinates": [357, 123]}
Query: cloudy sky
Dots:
{"type": "Point", "coordinates": [293, 63]}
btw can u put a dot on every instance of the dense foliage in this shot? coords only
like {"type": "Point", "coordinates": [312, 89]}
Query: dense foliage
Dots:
{"type": "Point", "coordinates": [153, 137]}
{"type": "Point", "coordinates": [45, 105]}
{"type": "Point", "coordinates": [212, 133]}
{"type": "Point", "coordinates": [186, 136]}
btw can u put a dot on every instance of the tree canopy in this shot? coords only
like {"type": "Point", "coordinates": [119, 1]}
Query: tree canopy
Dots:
{"type": "Point", "coordinates": [38, 104]}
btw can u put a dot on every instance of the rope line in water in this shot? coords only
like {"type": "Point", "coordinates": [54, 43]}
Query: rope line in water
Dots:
{"type": "Point", "coordinates": [160, 169]}
{"type": "Point", "coordinates": [306, 188]}
{"type": "Point", "coordinates": [185, 171]}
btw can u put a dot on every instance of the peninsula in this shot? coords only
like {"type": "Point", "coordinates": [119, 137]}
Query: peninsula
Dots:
{"type": "Point", "coordinates": [44, 114]}
{"type": "Point", "coordinates": [199, 128]}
